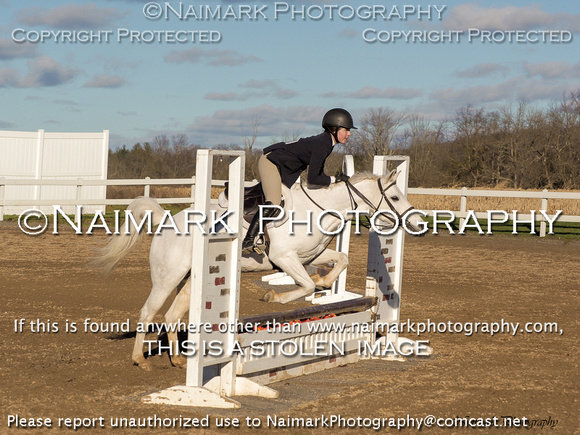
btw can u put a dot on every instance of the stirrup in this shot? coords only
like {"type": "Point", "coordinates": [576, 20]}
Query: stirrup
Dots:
{"type": "Point", "coordinates": [248, 249]}
{"type": "Point", "coordinates": [260, 246]}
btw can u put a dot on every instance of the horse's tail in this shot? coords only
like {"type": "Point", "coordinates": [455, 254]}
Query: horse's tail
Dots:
{"type": "Point", "coordinates": [121, 244]}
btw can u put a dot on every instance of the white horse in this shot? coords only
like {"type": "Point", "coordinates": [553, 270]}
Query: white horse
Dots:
{"type": "Point", "coordinates": [170, 255]}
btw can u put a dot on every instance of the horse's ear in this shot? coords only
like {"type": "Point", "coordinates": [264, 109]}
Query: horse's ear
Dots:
{"type": "Point", "coordinates": [392, 176]}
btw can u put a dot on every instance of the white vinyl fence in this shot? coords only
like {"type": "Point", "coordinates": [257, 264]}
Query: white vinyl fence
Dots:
{"type": "Point", "coordinates": [81, 198]}
{"type": "Point", "coordinates": [36, 168]}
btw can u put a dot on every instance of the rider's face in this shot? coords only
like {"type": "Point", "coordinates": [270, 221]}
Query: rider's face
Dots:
{"type": "Point", "coordinates": [342, 134]}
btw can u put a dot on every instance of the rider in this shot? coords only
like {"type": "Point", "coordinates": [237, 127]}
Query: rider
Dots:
{"type": "Point", "coordinates": [284, 162]}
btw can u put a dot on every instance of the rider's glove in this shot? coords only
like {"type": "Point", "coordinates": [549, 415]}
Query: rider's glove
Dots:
{"type": "Point", "coordinates": [342, 177]}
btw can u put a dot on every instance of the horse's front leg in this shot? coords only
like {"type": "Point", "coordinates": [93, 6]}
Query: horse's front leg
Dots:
{"type": "Point", "coordinates": [340, 261]}
{"type": "Point", "coordinates": [291, 264]}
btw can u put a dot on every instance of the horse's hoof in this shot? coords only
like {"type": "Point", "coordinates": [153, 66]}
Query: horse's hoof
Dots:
{"type": "Point", "coordinates": [143, 365]}
{"type": "Point", "coordinates": [317, 279]}
{"type": "Point", "coordinates": [269, 297]}
{"type": "Point", "coordinates": [179, 361]}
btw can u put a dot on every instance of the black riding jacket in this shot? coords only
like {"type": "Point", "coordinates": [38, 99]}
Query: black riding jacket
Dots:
{"type": "Point", "coordinates": [294, 157]}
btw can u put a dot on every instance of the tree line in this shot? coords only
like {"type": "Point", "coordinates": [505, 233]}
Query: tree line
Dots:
{"type": "Point", "coordinates": [514, 146]}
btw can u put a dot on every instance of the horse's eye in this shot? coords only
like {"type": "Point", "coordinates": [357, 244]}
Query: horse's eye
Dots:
{"type": "Point", "coordinates": [395, 198]}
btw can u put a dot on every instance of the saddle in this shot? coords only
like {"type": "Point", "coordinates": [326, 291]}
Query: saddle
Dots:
{"type": "Point", "coordinates": [253, 198]}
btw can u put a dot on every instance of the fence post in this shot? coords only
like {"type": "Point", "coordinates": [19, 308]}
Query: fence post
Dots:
{"type": "Point", "coordinates": [463, 204]}
{"type": "Point", "coordinates": [147, 187]}
{"type": "Point", "coordinates": [192, 190]}
{"type": "Point", "coordinates": [545, 208]}
{"type": "Point", "coordinates": [2, 187]}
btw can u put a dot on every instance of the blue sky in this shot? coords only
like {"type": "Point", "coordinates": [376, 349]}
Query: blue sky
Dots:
{"type": "Point", "coordinates": [284, 73]}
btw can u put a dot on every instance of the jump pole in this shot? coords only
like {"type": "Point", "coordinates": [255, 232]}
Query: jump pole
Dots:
{"type": "Point", "coordinates": [385, 264]}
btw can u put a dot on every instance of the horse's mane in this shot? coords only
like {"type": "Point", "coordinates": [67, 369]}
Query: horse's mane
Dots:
{"type": "Point", "coordinates": [361, 176]}
{"type": "Point", "coordinates": [356, 178]}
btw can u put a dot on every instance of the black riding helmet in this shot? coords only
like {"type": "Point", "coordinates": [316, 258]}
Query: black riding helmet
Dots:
{"type": "Point", "coordinates": [336, 118]}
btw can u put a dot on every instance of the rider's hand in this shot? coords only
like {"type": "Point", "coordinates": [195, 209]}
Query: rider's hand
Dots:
{"type": "Point", "coordinates": [342, 177]}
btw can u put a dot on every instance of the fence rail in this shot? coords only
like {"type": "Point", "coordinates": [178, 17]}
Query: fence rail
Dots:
{"type": "Point", "coordinates": [80, 183]}
{"type": "Point", "coordinates": [462, 213]}
{"type": "Point", "coordinates": [465, 193]}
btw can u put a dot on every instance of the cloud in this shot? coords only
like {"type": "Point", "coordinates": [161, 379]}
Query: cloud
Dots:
{"type": "Point", "coordinates": [530, 17]}
{"type": "Point", "coordinates": [348, 33]}
{"type": "Point", "coordinates": [105, 81]}
{"type": "Point", "coordinates": [483, 70]}
{"type": "Point", "coordinates": [229, 126]}
{"type": "Point", "coordinates": [45, 71]}
{"type": "Point", "coordinates": [70, 16]}
{"type": "Point", "coordinates": [258, 88]}
{"type": "Point", "coordinates": [534, 90]}
{"type": "Point", "coordinates": [65, 102]}
{"type": "Point", "coordinates": [368, 92]}
{"type": "Point", "coordinates": [475, 95]}
{"type": "Point", "coordinates": [6, 125]}
{"type": "Point", "coordinates": [516, 88]}
{"type": "Point", "coordinates": [8, 77]}
{"type": "Point", "coordinates": [212, 57]}
{"type": "Point", "coordinates": [127, 113]}
{"type": "Point", "coordinates": [225, 96]}
{"type": "Point", "coordinates": [12, 50]}
{"type": "Point", "coordinates": [269, 87]}
{"type": "Point", "coordinates": [553, 70]}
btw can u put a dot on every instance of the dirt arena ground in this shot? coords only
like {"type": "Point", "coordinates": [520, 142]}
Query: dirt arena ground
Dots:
{"type": "Point", "coordinates": [457, 279]}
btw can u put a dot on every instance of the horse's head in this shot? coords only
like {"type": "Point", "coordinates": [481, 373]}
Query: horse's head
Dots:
{"type": "Point", "coordinates": [385, 195]}
{"type": "Point", "coordinates": [397, 202]}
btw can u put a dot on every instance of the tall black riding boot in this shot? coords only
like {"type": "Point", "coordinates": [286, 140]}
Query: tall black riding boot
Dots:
{"type": "Point", "coordinates": [250, 241]}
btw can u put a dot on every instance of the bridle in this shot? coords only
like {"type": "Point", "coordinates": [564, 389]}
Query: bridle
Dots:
{"type": "Point", "coordinates": [350, 187]}
{"type": "Point", "coordinates": [352, 191]}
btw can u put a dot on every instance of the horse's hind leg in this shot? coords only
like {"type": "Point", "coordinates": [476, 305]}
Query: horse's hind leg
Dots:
{"type": "Point", "coordinates": [157, 297]}
{"type": "Point", "coordinates": [176, 312]}
{"type": "Point", "coordinates": [340, 261]}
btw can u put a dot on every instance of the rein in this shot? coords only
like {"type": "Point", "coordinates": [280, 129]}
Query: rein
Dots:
{"type": "Point", "coordinates": [352, 189]}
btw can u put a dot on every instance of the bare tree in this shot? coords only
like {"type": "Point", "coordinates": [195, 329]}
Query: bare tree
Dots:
{"type": "Point", "coordinates": [422, 141]}
{"type": "Point", "coordinates": [471, 147]}
{"type": "Point", "coordinates": [252, 155]}
{"type": "Point", "coordinates": [376, 133]}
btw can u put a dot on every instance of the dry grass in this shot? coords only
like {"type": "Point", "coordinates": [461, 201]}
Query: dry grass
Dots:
{"type": "Point", "coordinates": [484, 203]}
{"type": "Point", "coordinates": [127, 192]}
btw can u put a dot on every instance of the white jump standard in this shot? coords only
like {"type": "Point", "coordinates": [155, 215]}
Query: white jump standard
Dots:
{"type": "Point", "coordinates": [277, 349]}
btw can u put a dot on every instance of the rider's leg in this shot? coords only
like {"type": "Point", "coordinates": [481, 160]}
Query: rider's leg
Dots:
{"type": "Point", "coordinates": [272, 186]}
{"type": "Point", "coordinates": [271, 180]}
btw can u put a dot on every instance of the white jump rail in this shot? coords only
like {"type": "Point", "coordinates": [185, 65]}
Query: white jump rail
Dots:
{"type": "Point", "coordinates": [211, 381]}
